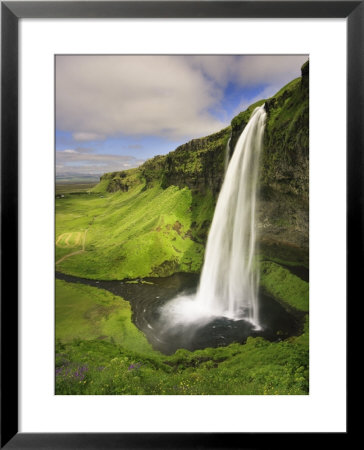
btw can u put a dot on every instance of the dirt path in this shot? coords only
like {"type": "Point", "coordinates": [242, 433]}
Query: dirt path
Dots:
{"type": "Point", "coordinates": [67, 239]}
{"type": "Point", "coordinates": [84, 240]}
{"type": "Point", "coordinates": [77, 252]}
{"type": "Point", "coordinates": [59, 238]}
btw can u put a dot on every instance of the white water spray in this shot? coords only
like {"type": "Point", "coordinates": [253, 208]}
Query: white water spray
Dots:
{"type": "Point", "coordinates": [229, 284]}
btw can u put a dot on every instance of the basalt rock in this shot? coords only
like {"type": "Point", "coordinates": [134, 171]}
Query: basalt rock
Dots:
{"type": "Point", "coordinates": [198, 164]}
{"type": "Point", "coordinates": [284, 166]}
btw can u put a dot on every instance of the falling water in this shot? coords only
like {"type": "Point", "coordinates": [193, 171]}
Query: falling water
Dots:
{"type": "Point", "coordinates": [229, 284]}
{"type": "Point", "coordinates": [227, 155]}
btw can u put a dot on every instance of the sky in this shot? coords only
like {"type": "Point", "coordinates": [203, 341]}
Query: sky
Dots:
{"type": "Point", "coordinates": [115, 111]}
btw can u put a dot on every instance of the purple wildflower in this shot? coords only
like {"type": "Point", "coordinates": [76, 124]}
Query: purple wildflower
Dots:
{"type": "Point", "coordinates": [134, 366]}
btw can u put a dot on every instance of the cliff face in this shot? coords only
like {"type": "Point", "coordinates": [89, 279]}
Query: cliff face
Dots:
{"type": "Point", "coordinates": [200, 165]}
{"type": "Point", "coordinates": [284, 165]}
{"type": "Point", "coordinates": [284, 183]}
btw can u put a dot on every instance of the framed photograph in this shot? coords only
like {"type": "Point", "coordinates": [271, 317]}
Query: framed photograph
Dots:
{"type": "Point", "coordinates": [181, 221]}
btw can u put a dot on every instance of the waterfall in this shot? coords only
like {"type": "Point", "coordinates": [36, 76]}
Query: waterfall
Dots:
{"type": "Point", "coordinates": [229, 283]}
{"type": "Point", "coordinates": [227, 155]}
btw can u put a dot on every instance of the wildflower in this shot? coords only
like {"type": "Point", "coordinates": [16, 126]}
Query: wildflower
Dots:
{"type": "Point", "coordinates": [134, 366]}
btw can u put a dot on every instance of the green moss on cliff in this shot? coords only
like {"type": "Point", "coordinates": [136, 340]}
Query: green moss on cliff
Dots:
{"type": "Point", "coordinates": [284, 286]}
{"type": "Point", "coordinates": [119, 181]}
{"type": "Point", "coordinates": [282, 253]}
{"type": "Point", "coordinates": [240, 121]}
{"type": "Point", "coordinates": [284, 165]}
{"type": "Point", "coordinates": [198, 164]}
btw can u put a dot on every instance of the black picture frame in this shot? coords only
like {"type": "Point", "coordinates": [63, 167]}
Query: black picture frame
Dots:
{"type": "Point", "coordinates": [11, 12]}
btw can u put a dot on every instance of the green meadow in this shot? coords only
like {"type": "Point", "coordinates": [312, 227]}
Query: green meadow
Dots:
{"type": "Point", "coordinates": [143, 232]}
{"type": "Point", "coordinates": [71, 188]}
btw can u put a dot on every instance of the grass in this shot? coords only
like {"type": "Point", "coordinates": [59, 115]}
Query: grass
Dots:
{"type": "Point", "coordinates": [284, 286]}
{"type": "Point", "coordinates": [123, 362]}
{"type": "Point", "coordinates": [86, 313]}
{"type": "Point", "coordinates": [72, 188]}
{"type": "Point", "coordinates": [132, 234]}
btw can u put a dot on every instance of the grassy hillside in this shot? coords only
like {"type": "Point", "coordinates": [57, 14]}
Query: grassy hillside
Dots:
{"type": "Point", "coordinates": [131, 234]}
{"type": "Point", "coordinates": [86, 313]}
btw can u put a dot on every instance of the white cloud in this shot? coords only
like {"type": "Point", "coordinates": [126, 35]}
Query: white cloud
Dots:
{"type": "Point", "coordinates": [250, 69]}
{"type": "Point", "coordinates": [148, 95]}
{"type": "Point", "coordinates": [169, 96]}
{"type": "Point", "coordinates": [86, 136]}
{"type": "Point", "coordinates": [269, 69]}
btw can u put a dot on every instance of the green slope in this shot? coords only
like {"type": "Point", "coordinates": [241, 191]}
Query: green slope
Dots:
{"type": "Point", "coordinates": [132, 234]}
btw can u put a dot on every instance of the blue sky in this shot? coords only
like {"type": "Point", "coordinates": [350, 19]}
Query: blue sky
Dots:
{"type": "Point", "coordinates": [114, 112]}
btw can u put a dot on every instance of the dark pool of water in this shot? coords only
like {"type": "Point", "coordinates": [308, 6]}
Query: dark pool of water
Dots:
{"type": "Point", "coordinates": [147, 296]}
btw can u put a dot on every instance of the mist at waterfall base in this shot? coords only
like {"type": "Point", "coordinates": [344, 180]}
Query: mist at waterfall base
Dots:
{"type": "Point", "coordinates": [228, 287]}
